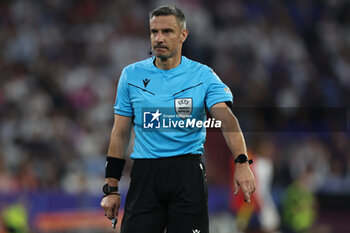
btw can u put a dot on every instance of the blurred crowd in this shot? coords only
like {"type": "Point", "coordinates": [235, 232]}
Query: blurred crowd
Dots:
{"type": "Point", "coordinates": [61, 59]}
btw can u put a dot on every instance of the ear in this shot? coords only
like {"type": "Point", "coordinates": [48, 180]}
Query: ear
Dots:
{"type": "Point", "coordinates": [184, 34]}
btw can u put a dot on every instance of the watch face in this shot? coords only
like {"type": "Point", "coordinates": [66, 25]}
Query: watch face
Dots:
{"type": "Point", "coordinates": [108, 189]}
{"type": "Point", "coordinates": [242, 158]}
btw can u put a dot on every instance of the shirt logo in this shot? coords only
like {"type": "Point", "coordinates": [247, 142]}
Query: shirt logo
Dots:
{"type": "Point", "coordinates": [151, 119]}
{"type": "Point", "coordinates": [146, 81]}
{"type": "Point", "coordinates": [183, 107]}
{"type": "Point", "coordinates": [196, 231]}
{"type": "Point", "coordinates": [165, 118]}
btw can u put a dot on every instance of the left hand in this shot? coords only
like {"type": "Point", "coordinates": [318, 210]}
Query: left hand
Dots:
{"type": "Point", "coordinates": [244, 179]}
{"type": "Point", "coordinates": [111, 204]}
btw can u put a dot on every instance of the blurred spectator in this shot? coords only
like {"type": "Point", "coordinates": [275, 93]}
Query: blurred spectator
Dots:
{"type": "Point", "coordinates": [299, 212]}
{"type": "Point", "coordinates": [268, 217]}
{"type": "Point", "coordinates": [310, 154]}
{"type": "Point", "coordinates": [15, 218]}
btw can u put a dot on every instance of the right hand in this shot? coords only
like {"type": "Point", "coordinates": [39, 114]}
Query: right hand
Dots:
{"type": "Point", "coordinates": [244, 179]}
{"type": "Point", "coordinates": [111, 204]}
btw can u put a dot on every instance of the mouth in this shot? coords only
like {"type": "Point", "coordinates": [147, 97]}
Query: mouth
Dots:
{"type": "Point", "coordinates": [160, 49]}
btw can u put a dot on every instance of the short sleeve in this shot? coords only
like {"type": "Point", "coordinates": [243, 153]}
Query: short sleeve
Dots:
{"type": "Point", "coordinates": [122, 104]}
{"type": "Point", "coordinates": [216, 90]}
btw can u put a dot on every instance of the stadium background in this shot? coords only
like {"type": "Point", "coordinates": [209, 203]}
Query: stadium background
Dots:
{"type": "Point", "coordinates": [59, 66]}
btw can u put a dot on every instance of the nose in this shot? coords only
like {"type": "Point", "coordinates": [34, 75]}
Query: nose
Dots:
{"type": "Point", "coordinates": [159, 37]}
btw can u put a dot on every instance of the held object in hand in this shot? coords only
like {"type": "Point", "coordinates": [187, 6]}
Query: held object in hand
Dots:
{"type": "Point", "coordinates": [114, 222]}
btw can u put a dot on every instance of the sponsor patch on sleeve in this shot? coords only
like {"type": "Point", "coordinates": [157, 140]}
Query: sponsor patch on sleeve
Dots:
{"type": "Point", "coordinates": [227, 90]}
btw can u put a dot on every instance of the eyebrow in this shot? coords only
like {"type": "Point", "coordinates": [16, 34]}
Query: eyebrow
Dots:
{"type": "Point", "coordinates": [163, 29]}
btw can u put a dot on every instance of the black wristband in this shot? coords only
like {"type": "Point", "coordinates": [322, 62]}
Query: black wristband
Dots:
{"type": "Point", "coordinates": [114, 167]}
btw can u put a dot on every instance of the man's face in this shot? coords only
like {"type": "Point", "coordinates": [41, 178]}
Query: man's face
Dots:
{"type": "Point", "coordinates": [166, 36]}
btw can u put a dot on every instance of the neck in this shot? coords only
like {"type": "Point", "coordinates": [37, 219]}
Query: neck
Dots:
{"type": "Point", "coordinates": [168, 63]}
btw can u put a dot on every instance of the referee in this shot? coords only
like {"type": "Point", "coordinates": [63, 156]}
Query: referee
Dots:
{"type": "Point", "coordinates": [164, 98]}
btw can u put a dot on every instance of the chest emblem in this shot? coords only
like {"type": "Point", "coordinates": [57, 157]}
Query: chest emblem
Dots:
{"type": "Point", "coordinates": [146, 81]}
{"type": "Point", "coordinates": [183, 107]}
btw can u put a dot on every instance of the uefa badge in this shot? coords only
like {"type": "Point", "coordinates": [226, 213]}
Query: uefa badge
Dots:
{"type": "Point", "coordinates": [183, 107]}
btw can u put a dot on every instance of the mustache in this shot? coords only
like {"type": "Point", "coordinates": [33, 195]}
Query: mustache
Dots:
{"type": "Point", "coordinates": [160, 46]}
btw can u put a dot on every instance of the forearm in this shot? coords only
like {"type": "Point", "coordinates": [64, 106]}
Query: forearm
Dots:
{"type": "Point", "coordinates": [119, 142]}
{"type": "Point", "coordinates": [230, 129]}
{"type": "Point", "coordinates": [234, 137]}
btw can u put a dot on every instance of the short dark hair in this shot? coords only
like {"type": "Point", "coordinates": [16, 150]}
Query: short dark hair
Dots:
{"type": "Point", "coordinates": [170, 10]}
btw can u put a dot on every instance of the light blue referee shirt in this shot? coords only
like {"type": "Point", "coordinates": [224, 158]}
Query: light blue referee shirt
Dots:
{"type": "Point", "coordinates": [168, 106]}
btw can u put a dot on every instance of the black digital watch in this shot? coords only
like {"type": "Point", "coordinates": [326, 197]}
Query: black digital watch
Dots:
{"type": "Point", "coordinates": [107, 190]}
{"type": "Point", "coordinates": [242, 158]}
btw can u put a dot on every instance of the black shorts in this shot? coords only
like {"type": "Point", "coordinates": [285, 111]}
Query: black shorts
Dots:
{"type": "Point", "coordinates": [167, 193]}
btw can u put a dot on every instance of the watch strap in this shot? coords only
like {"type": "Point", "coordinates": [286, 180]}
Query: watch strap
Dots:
{"type": "Point", "coordinates": [118, 194]}
{"type": "Point", "coordinates": [107, 189]}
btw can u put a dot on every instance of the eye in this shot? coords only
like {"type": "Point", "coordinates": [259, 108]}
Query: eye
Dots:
{"type": "Point", "coordinates": [168, 30]}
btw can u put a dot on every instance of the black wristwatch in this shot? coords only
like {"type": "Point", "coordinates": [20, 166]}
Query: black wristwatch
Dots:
{"type": "Point", "coordinates": [242, 158]}
{"type": "Point", "coordinates": [107, 190]}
